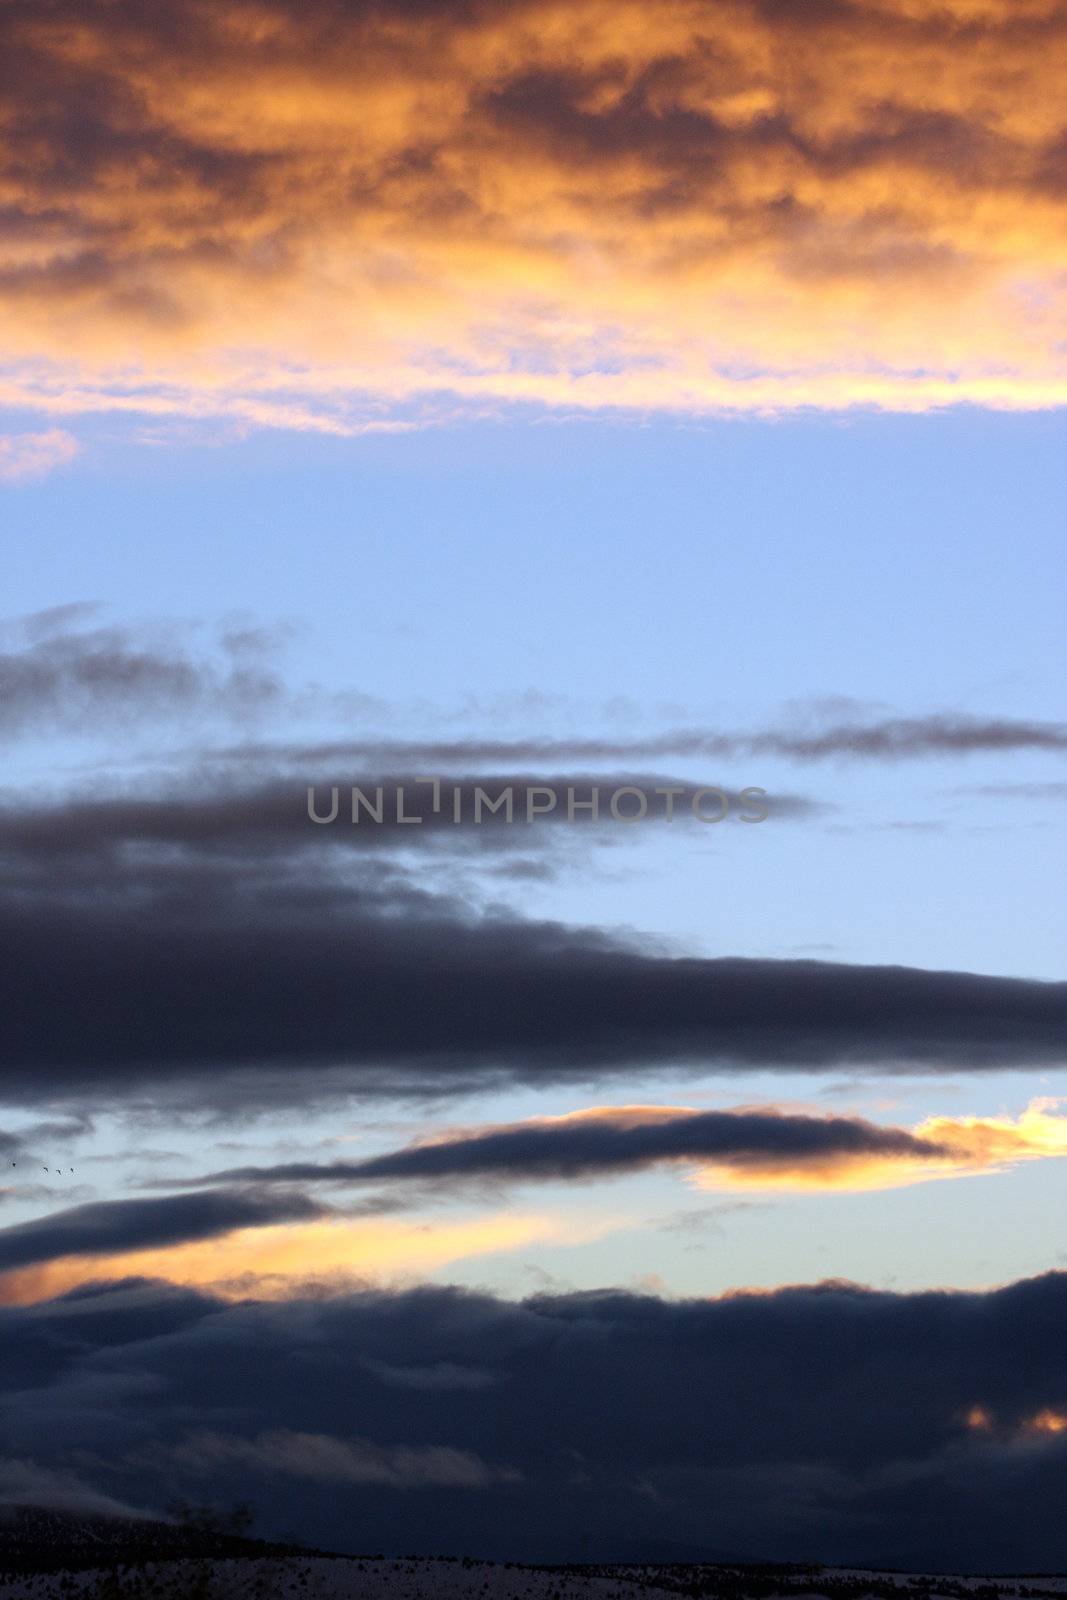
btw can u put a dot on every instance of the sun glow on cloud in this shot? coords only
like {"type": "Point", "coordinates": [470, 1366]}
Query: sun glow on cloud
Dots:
{"type": "Point", "coordinates": [339, 218]}
{"type": "Point", "coordinates": [1046, 1423]}
{"type": "Point", "coordinates": [275, 1262]}
{"type": "Point", "coordinates": [971, 1146]}
{"type": "Point", "coordinates": [746, 1148]}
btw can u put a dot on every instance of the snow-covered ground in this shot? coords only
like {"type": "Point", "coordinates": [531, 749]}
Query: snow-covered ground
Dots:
{"type": "Point", "coordinates": [344, 1578]}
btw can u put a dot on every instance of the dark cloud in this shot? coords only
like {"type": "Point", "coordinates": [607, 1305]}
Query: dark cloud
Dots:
{"type": "Point", "coordinates": [147, 973]}
{"type": "Point", "coordinates": [276, 814]}
{"type": "Point", "coordinates": [587, 118]}
{"type": "Point", "coordinates": [611, 1142]}
{"type": "Point", "coordinates": [193, 970]}
{"type": "Point", "coordinates": [829, 1422]}
{"type": "Point", "coordinates": [111, 1227]}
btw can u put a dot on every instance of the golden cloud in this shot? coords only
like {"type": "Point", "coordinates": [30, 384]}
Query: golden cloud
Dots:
{"type": "Point", "coordinates": [945, 1147]}
{"type": "Point", "coordinates": [1046, 1423]}
{"type": "Point", "coordinates": [275, 1262]}
{"type": "Point", "coordinates": [342, 214]}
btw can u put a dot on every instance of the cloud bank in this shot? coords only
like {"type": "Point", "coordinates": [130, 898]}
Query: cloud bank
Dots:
{"type": "Point", "coordinates": [827, 1422]}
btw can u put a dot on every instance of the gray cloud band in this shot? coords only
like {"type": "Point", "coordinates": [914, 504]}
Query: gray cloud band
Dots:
{"type": "Point", "coordinates": [525, 803]}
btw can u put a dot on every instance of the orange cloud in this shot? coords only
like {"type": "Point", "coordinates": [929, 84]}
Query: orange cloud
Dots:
{"type": "Point", "coordinates": [958, 1146]}
{"type": "Point", "coordinates": [1045, 1423]}
{"type": "Point", "coordinates": [323, 216]}
{"type": "Point", "coordinates": [274, 1262]}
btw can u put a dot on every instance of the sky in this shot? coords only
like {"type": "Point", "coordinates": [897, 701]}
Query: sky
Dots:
{"type": "Point", "coordinates": [533, 400]}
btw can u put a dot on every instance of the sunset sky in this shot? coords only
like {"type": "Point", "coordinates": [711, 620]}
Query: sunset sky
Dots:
{"type": "Point", "coordinates": [537, 396]}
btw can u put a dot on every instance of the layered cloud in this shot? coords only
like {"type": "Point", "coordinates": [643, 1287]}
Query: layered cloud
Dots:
{"type": "Point", "coordinates": [313, 214]}
{"type": "Point", "coordinates": [749, 1148]}
{"type": "Point", "coordinates": [213, 944]}
{"type": "Point", "coordinates": [841, 1423]}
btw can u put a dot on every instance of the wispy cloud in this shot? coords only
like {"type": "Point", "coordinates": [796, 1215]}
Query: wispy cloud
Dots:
{"type": "Point", "coordinates": [28, 456]}
{"type": "Point", "coordinates": [65, 669]}
{"type": "Point", "coordinates": [817, 738]}
{"type": "Point", "coordinates": [321, 1458]}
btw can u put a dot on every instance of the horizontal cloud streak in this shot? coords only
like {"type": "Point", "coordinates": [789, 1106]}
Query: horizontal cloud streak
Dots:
{"type": "Point", "coordinates": [276, 815]}
{"type": "Point", "coordinates": [321, 1458]}
{"type": "Point", "coordinates": [108, 1227]}
{"type": "Point", "coordinates": [175, 974]}
{"type": "Point", "coordinates": [618, 1139]}
{"type": "Point", "coordinates": [747, 1148]}
{"type": "Point", "coordinates": [936, 734]}
{"type": "Point", "coordinates": [743, 207]}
